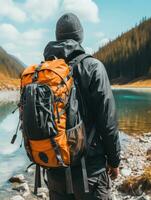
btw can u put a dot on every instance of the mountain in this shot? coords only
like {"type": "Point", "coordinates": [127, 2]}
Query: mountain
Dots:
{"type": "Point", "coordinates": [128, 57]}
{"type": "Point", "coordinates": [10, 70]}
{"type": "Point", "coordinates": [9, 65]}
{"type": "Point", "coordinates": [19, 61]}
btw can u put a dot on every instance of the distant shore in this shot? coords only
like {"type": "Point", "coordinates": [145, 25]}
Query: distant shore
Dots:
{"type": "Point", "coordinates": [9, 95]}
{"type": "Point", "coordinates": [125, 86]}
{"type": "Point", "coordinates": [11, 92]}
{"type": "Point", "coordinates": [137, 83]}
{"type": "Point", "coordinates": [13, 95]}
{"type": "Point", "coordinates": [138, 89]}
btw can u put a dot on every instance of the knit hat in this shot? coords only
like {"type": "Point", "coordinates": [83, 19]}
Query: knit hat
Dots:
{"type": "Point", "coordinates": [69, 27]}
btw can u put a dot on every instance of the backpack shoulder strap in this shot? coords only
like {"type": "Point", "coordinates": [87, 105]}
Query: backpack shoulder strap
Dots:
{"type": "Point", "coordinates": [77, 60]}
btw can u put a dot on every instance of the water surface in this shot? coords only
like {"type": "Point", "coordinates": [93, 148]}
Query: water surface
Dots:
{"type": "Point", "coordinates": [134, 110]}
{"type": "Point", "coordinates": [134, 116]}
{"type": "Point", "coordinates": [12, 157]}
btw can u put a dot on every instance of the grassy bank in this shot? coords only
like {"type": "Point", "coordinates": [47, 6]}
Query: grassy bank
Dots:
{"type": "Point", "coordinates": [7, 83]}
{"type": "Point", "coordinates": [142, 82]}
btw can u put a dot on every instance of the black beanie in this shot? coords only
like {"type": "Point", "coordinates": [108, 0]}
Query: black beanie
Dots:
{"type": "Point", "coordinates": [69, 27]}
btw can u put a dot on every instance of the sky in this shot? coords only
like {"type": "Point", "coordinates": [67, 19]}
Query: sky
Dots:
{"type": "Point", "coordinates": [26, 26]}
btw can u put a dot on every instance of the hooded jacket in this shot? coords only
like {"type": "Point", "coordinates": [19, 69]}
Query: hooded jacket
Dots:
{"type": "Point", "coordinates": [99, 101]}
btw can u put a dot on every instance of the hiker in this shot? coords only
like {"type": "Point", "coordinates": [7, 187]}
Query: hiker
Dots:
{"type": "Point", "coordinates": [103, 157]}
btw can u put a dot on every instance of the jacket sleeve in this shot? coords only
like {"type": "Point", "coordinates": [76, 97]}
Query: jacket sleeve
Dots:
{"type": "Point", "coordinates": [104, 108]}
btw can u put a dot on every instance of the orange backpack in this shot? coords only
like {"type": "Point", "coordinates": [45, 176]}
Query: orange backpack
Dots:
{"type": "Point", "coordinates": [51, 115]}
{"type": "Point", "coordinates": [52, 127]}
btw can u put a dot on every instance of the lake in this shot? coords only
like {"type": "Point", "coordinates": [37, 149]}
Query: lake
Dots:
{"type": "Point", "coordinates": [134, 116]}
{"type": "Point", "coordinates": [133, 110]}
{"type": "Point", "coordinates": [12, 158]}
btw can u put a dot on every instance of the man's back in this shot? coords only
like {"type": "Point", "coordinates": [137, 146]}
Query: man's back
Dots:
{"type": "Point", "coordinates": [99, 102]}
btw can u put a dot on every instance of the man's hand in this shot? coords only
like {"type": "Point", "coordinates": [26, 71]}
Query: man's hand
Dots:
{"type": "Point", "coordinates": [113, 172]}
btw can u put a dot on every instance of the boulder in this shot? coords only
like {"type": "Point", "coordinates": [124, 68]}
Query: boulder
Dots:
{"type": "Point", "coordinates": [43, 190]}
{"type": "Point", "coordinates": [23, 188]}
{"type": "Point", "coordinates": [126, 171]}
{"type": "Point", "coordinates": [17, 179]}
{"type": "Point", "coordinates": [30, 171]}
{"type": "Point", "coordinates": [148, 151]}
{"type": "Point", "coordinates": [42, 196]}
{"type": "Point", "coordinates": [17, 197]}
{"type": "Point", "coordinates": [143, 140]}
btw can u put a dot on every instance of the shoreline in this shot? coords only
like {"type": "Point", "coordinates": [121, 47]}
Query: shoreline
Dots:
{"type": "Point", "coordinates": [133, 161]}
{"type": "Point", "coordinates": [139, 89]}
{"type": "Point", "coordinates": [9, 96]}
{"type": "Point", "coordinates": [129, 87]}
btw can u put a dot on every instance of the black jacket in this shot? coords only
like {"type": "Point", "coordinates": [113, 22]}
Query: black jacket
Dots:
{"type": "Point", "coordinates": [95, 88]}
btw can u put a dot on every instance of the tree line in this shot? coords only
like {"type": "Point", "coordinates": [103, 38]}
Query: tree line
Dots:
{"type": "Point", "coordinates": [129, 55]}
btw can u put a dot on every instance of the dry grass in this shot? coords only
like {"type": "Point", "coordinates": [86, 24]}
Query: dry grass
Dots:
{"type": "Point", "coordinates": [142, 82]}
{"type": "Point", "coordinates": [139, 184]}
{"type": "Point", "coordinates": [7, 83]}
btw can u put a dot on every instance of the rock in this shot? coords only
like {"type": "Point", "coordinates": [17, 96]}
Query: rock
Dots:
{"type": "Point", "coordinates": [30, 171]}
{"type": "Point", "coordinates": [149, 157]}
{"type": "Point", "coordinates": [27, 193]}
{"type": "Point", "coordinates": [115, 197]}
{"type": "Point", "coordinates": [126, 171]}
{"type": "Point", "coordinates": [145, 197]}
{"type": "Point", "coordinates": [143, 140]}
{"type": "Point", "coordinates": [17, 197]}
{"type": "Point", "coordinates": [148, 151]}
{"type": "Point", "coordinates": [148, 134]}
{"type": "Point", "coordinates": [43, 190]}
{"type": "Point", "coordinates": [17, 179]}
{"type": "Point", "coordinates": [24, 188]}
{"type": "Point", "coordinates": [42, 195]}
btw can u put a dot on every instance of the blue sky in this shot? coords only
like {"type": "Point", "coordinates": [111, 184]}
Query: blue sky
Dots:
{"type": "Point", "coordinates": [26, 26]}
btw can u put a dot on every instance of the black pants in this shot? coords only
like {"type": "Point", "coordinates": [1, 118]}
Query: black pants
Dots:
{"type": "Point", "coordinates": [99, 186]}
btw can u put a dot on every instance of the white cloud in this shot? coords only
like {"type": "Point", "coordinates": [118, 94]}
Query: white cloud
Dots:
{"type": "Point", "coordinates": [33, 37]}
{"type": "Point", "coordinates": [103, 42]}
{"type": "Point", "coordinates": [9, 46]}
{"type": "Point", "coordinates": [89, 50]}
{"type": "Point", "coordinates": [8, 32]}
{"type": "Point", "coordinates": [25, 45]}
{"type": "Point", "coordinates": [86, 9]}
{"type": "Point", "coordinates": [41, 10]}
{"type": "Point", "coordinates": [27, 38]}
{"type": "Point", "coordinates": [11, 10]}
{"type": "Point", "coordinates": [33, 9]}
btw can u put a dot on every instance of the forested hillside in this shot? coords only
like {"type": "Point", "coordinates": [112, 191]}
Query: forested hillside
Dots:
{"type": "Point", "coordinates": [128, 56]}
{"type": "Point", "coordinates": [9, 65]}
{"type": "Point", "coordinates": [10, 70]}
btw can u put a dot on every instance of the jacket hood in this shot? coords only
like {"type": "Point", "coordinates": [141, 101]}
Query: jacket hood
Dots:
{"type": "Point", "coordinates": [67, 49]}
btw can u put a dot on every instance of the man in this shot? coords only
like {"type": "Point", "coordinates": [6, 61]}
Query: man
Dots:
{"type": "Point", "coordinates": [104, 155]}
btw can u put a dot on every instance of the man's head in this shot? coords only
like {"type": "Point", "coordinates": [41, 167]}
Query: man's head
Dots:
{"type": "Point", "coordinates": [69, 27]}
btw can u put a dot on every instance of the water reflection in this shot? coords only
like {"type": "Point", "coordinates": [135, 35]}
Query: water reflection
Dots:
{"type": "Point", "coordinates": [5, 109]}
{"type": "Point", "coordinates": [134, 111]}
{"type": "Point", "coordinates": [12, 158]}
{"type": "Point", "coordinates": [134, 115]}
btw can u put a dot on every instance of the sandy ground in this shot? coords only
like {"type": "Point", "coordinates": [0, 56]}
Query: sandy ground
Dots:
{"type": "Point", "coordinates": [142, 82]}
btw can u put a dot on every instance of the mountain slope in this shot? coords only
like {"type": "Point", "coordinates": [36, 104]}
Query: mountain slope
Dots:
{"type": "Point", "coordinates": [9, 65]}
{"type": "Point", "coordinates": [129, 56]}
{"type": "Point", "coordinates": [10, 70]}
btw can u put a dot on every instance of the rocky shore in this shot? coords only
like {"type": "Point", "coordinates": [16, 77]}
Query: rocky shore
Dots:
{"type": "Point", "coordinates": [135, 157]}
{"type": "Point", "coordinates": [135, 161]}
